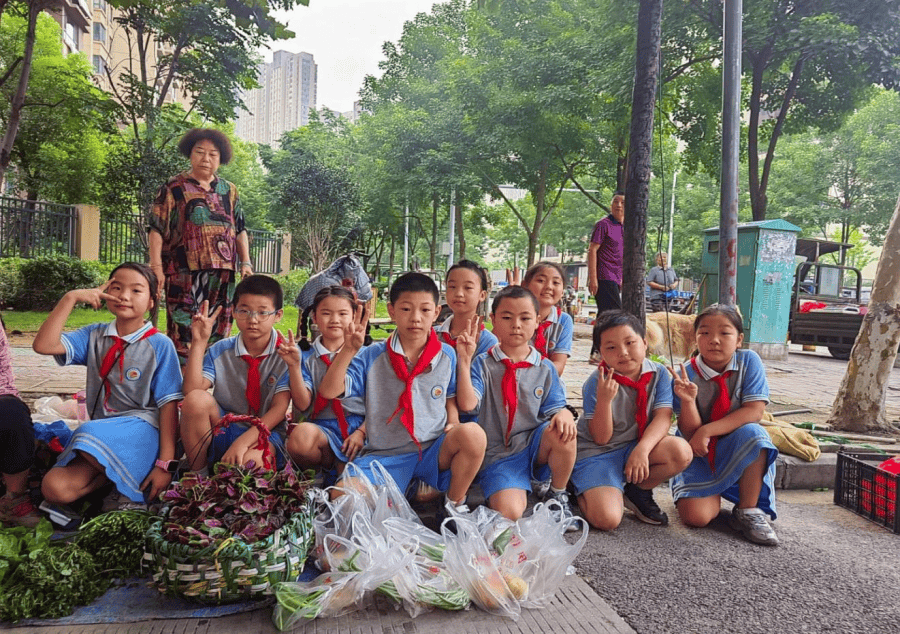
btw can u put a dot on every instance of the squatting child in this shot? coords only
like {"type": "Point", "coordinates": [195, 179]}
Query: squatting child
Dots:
{"type": "Point", "coordinates": [249, 377]}
{"type": "Point", "coordinates": [521, 406]}
{"type": "Point", "coordinates": [408, 384]}
{"type": "Point", "coordinates": [624, 446]}
{"type": "Point", "coordinates": [719, 399]}
{"type": "Point", "coordinates": [132, 390]}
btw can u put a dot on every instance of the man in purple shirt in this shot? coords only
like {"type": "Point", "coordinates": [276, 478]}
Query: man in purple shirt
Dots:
{"type": "Point", "coordinates": [605, 257]}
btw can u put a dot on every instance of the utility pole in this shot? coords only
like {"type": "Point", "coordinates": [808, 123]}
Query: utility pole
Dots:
{"type": "Point", "coordinates": [452, 227]}
{"type": "Point", "coordinates": [731, 129]}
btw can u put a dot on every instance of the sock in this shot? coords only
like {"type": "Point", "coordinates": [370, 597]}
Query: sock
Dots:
{"type": "Point", "coordinates": [557, 491]}
{"type": "Point", "coordinates": [447, 500]}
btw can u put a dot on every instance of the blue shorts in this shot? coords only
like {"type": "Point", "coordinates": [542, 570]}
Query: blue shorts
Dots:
{"type": "Point", "coordinates": [406, 466]}
{"type": "Point", "coordinates": [222, 442]}
{"type": "Point", "coordinates": [516, 471]}
{"type": "Point", "coordinates": [603, 470]}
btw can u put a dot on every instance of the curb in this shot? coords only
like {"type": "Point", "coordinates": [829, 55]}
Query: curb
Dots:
{"type": "Point", "coordinates": [795, 473]}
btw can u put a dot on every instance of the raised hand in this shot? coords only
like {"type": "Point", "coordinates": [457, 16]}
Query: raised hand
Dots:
{"type": "Point", "coordinates": [607, 387]}
{"type": "Point", "coordinates": [682, 386]}
{"type": "Point", "coordinates": [94, 297]}
{"type": "Point", "coordinates": [467, 341]}
{"type": "Point", "coordinates": [289, 351]}
{"type": "Point", "coordinates": [202, 322]}
{"type": "Point", "coordinates": [355, 332]}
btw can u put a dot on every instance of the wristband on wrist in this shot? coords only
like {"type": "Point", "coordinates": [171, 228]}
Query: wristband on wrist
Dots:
{"type": "Point", "coordinates": [167, 465]}
{"type": "Point", "coordinates": [250, 264]}
{"type": "Point", "coordinates": [573, 410]}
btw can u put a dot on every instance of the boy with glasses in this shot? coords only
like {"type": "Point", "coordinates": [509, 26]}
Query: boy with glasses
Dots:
{"type": "Point", "coordinates": [249, 377]}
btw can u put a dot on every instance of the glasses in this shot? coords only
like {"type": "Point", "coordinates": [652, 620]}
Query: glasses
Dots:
{"type": "Point", "coordinates": [262, 315]}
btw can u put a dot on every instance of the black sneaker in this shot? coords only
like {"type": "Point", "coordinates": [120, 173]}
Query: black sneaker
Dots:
{"type": "Point", "coordinates": [640, 502]}
{"type": "Point", "coordinates": [565, 514]}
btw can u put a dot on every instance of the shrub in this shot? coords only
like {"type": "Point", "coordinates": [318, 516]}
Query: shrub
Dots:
{"type": "Point", "coordinates": [291, 283]}
{"type": "Point", "coordinates": [10, 280]}
{"type": "Point", "coordinates": [46, 280]}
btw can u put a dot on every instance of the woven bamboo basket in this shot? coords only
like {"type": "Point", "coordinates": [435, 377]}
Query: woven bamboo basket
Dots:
{"type": "Point", "coordinates": [231, 570]}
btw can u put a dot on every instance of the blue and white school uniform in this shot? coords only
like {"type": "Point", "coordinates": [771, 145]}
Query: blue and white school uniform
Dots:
{"type": "Point", "coordinates": [737, 450]}
{"type": "Point", "coordinates": [486, 341]}
{"type": "Point", "coordinates": [604, 465]}
{"type": "Point", "coordinates": [371, 377]}
{"type": "Point", "coordinates": [558, 334]}
{"type": "Point", "coordinates": [510, 463]}
{"type": "Point", "coordinates": [313, 369]}
{"type": "Point", "coordinates": [227, 371]}
{"type": "Point", "coordinates": [123, 433]}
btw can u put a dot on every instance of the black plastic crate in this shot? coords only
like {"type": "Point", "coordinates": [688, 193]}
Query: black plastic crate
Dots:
{"type": "Point", "coordinates": [862, 487]}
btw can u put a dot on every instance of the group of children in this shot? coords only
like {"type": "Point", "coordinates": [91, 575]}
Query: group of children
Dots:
{"type": "Point", "coordinates": [438, 407]}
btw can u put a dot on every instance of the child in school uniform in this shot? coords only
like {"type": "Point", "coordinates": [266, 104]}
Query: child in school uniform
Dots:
{"type": "Point", "coordinates": [331, 436]}
{"type": "Point", "coordinates": [133, 388]}
{"type": "Point", "coordinates": [624, 446]}
{"type": "Point", "coordinates": [466, 288]}
{"type": "Point", "coordinates": [555, 330]}
{"type": "Point", "coordinates": [408, 383]}
{"type": "Point", "coordinates": [719, 398]}
{"type": "Point", "coordinates": [521, 406]}
{"type": "Point", "coordinates": [249, 377]}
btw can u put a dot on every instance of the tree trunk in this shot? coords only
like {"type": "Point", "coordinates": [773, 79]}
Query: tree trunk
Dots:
{"type": "Point", "coordinates": [18, 100]}
{"type": "Point", "coordinates": [460, 230]}
{"type": "Point", "coordinates": [859, 405]}
{"type": "Point", "coordinates": [435, 205]}
{"type": "Point", "coordinates": [640, 146]}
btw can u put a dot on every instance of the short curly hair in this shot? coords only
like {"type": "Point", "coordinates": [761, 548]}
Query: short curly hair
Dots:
{"type": "Point", "coordinates": [195, 135]}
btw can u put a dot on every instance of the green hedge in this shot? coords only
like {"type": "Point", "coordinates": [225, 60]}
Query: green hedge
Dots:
{"type": "Point", "coordinates": [291, 283]}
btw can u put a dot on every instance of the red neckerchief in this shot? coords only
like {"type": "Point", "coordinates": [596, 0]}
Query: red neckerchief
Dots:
{"type": "Point", "coordinates": [115, 353]}
{"type": "Point", "coordinates": [336, 405]}
{"type": "Point", "coordinates": [445, 335]}
{"type": "Point", "coordinates": [720, 408]}
{"type": "Point", "coordinates": [254, 389]}
{"type": "Point", "coordinates": [540, 339]}
{"type": "Point", "coordinates": [640, 386]}
{"type": "Point", "coordinates": [398, 362]}
{"type": "Point", "coordinates": [510, 389]}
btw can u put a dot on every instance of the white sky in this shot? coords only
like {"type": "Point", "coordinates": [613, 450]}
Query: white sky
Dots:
{"type": "Point", "coordinates": [345, 37]}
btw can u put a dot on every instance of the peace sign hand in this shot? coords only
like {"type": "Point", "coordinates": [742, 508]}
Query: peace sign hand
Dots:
{"type": "Point", "coordinates": [355, 332]}
{"type": "Point", "coordinates": [289, 351]}
{"type": "Point", "coordinates": [607, 386]}
{"type": "Point", "coordinates": [682, 386]}
{"type": "Point", "coordinates": [202, 322]}
{"type": "Point", "coordinates": [467, 341]}
{"type": "Point", "coordinates": [94, 297]}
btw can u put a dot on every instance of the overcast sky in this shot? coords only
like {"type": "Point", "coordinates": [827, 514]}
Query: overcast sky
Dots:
{"type": "Point", "coordinates": [345, 37]}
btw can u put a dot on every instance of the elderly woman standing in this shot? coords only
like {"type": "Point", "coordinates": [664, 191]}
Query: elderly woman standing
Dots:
{"type": "Point", "coordinates": [197, 238]}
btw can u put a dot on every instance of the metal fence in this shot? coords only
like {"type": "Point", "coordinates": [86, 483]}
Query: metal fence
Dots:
{"type": "Point", "coordinates": [123, 239]}
{"type": "Point", "coordinates": [32, 229]}
{"type": "Point", "coordinates": [265, 251]}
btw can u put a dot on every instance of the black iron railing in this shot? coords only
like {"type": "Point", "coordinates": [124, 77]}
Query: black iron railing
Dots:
{"type": "Point", "coordinates": [32, 229]}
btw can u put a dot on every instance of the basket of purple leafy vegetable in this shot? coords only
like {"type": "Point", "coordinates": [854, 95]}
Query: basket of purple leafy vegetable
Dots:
{"type": "Point", "coordinates": [231, 536]}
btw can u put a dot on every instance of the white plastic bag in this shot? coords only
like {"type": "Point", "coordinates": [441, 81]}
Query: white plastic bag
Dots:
{"type": "Point", "coordinates": [51, 408]}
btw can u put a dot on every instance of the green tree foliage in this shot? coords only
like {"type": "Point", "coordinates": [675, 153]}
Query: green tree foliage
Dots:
{"type": "Point", "coordinates": [805, 64]}
{"type": "Point", "coordinates": [65, 120]}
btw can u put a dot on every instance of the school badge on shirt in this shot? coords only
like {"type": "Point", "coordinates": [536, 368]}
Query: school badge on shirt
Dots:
{"type": "Point", "coordinates": [132, 374]}
{"type": "Point", "coordinates": [437, 392]}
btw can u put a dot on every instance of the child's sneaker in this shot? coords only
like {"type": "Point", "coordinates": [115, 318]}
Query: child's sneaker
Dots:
{"type": "Point", "coordinates": [567, 517]}
{"type": "Point", "coordinates": [540, 488]}
{"type": "Point", "coordinates": [640, 502]}
{"type": "Point", "coordinates": [19, 511]}
{"type": "Point", "coordinates": [115, 501]}
{"type": "Point", "coordinates": [754, 524]}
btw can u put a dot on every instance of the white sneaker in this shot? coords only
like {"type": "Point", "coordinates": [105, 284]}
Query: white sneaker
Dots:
{"type": "Point", "coordinates": [115, 501]}
{"type": "Point", "coordinates": [540, 488]}
{"type": "Point", "coordinates": [754, 525]}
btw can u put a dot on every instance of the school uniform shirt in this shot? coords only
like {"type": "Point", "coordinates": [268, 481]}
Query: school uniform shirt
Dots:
{"type": "Point", "coordinates": [145, 377]}
{"type": "Point", "coordinates": [624, 408]}
{"type": "Point", "coordinates": [371, 377]}
{"type": "Point", "coordinates": [227, 371]}
{"type": "Point", "coordinates": [559, 334]}
{"type": "Point", "coordinates": [747, 383]}
{"type": "Point", "coordinates": [313, 370]}
{"type": "Point", "coordinates": [539, 396]}
{"type": "Point", "coordinates": [486, 339]}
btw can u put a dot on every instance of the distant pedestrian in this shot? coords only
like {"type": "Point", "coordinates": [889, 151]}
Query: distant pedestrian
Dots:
{"type": "Point", "coordinates": [604, 258]}
{"type": "Point", "coordinates": [719, 400]}
{"type": "Point", "coordinates": [661, 279]}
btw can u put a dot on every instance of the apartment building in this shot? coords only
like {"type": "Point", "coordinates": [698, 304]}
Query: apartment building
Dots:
{"type": "Point", "coordinates": [286, 95]}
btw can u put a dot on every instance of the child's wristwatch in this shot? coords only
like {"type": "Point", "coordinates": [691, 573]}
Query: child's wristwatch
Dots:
{"type": "Point", "coordinates": [167, 465]}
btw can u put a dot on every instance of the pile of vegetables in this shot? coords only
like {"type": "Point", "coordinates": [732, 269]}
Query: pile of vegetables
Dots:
{"type": "Point", "coordinates": [44, 579]}
{"type": "Point", "coordinates": [247, 502]}
{"type": "Point", "coordinates": [116, 540]}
